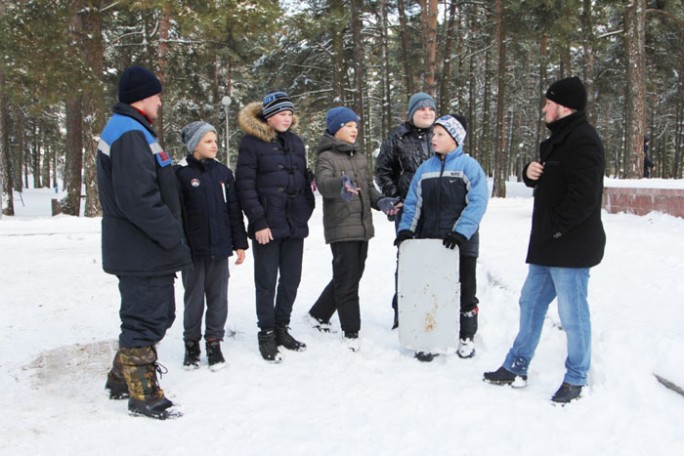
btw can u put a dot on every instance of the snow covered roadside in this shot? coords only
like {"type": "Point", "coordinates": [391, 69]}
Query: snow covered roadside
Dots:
{"type": "Point", "coordinates": [59, 319]}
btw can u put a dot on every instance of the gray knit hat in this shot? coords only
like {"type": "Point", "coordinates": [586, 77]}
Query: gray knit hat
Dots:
{"type": "Point", "coordinates": [192, 133]}
{"type": "Point", "coordinates": [418, 101]}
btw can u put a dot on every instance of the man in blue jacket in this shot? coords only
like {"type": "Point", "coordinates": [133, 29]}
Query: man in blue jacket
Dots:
{"type": "Point", "coordinates": [142, 239]}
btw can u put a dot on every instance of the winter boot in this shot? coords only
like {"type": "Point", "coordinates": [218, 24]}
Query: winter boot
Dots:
{"type": "Point", "coordinates": [116, 383]}
{"type": "Point", "coordinates": [140, 367]}
{"type": "Point", "coordinates": [425, 357]}
{"type": "Point", "coordinates": [268, 346]}
{"type": "Point", "coordinates": [284, 338]}
{"type": "Point", "coordinates": [468, 329]}
{"type": "Point", "coordinates": [214, 355]}
{"type": "Point", "coordinates": [503, 376]}
{"type": "Point", "coordinates": [567, 393]}
{"type": "Point", "coordinates": [321, 326]}
{"type": "Point", "coordinates": [192, 354]}
{"type": "Point", "coordinates": [351, 341]}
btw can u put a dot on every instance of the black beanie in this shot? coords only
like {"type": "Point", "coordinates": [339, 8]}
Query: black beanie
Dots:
{"type": "Point", "coordinates": [569, 92]}
{"type": "Point", "coordinates": [138, 83]}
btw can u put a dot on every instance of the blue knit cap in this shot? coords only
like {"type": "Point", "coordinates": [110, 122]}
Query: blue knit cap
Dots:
{"type": "Point", "coordinates": [192, 134]}
{"type": "Point", "coordinates": [455, 127]}
{"type": "Point", "coordinates": [337, 117]}
{"type": "Point", "coordinates": [418, 101]}
{"type": "Point", "coordinates": [274, 102]}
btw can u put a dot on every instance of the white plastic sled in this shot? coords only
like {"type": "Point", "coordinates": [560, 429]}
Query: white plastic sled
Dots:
{"type": "Point", "coordinates": [428, 294]}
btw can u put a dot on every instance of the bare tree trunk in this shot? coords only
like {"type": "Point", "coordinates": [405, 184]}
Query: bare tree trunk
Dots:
{"type": "Point", "coordinates": [405, 51]}
{"type": "Point", "coordinates": [444, 93]}
{"type": "Point", "coordinates": [635, 39]}
{"type": "Point", "coordinates": [93, 54]}
{"type": "Point", "coordinates": [429, 22]}
{"type": "Point", "coordinates": [20, 155]}
{"type": "Point", "coordinates": [386, 116]}
{"type": "Point", "coordinates": [473, 139]}
{"type": "Point", "coordinates": [357, 24]}
{"type": "Point", "coordinates": [74, 126]}
{"type": "Point", "coordinates": [337, 66]}
{"type": "Point", "coordinates": [162, 62]}
{"type": "Point", "coordinates": [588, 34]}
{"type": "Point", "coordinates": [543, 53]}
{"type": "Point", "coordinates": [7, 190]}
{"type": "Point", "coordinates": [499, 189]}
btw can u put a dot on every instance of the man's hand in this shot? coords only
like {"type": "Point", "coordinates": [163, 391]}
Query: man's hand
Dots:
{"type": "Point", "coordinates": [534, 170]}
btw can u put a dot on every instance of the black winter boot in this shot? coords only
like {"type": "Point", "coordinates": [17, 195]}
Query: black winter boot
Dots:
{"type": "Point", "coordinates": [284, 338]}
{"type": "Point", "coordinates": [140, 367]}
{"type": "Point", "coordinates": [192, 354]}
{"type": "Point", "coordinates": [468, 329]}
{"type": "Point", "coordinates": [567, 393]}
{"type": "Point", "coordinates": [268, 346]}
{"type": "Point", "coordinates": [214, 355]}
{"type": "Point", "coordinates": [116, 383]}
{"type": "Point", "coordinates": [503, 376]}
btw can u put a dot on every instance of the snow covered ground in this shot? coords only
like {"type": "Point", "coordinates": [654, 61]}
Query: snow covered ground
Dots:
{"type": "Point", "coordinates": [59, 324]}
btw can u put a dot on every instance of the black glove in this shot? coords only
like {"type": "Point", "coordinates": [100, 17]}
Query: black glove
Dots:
{"type": "Point", "coordinates": [454, 239]}
{"type": "Point", "coordinates": [402, 236]}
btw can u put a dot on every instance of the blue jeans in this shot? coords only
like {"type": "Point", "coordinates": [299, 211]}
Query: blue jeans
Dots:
{"type": "Point", "coordinates": [542, 285]}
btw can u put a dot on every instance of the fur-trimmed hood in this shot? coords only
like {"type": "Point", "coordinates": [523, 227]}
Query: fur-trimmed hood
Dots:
{"type": "Point", "coordinates": [251, 122]}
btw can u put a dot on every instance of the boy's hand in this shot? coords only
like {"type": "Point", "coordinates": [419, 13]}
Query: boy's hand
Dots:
{"type": "Point", "coordinates": [454, 239]}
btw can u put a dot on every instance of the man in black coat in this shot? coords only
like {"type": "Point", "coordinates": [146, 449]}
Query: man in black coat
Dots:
{"type": "Point", "coordinates": [143, 242]}
{"type": "Point", "coordinates": [567, 239]}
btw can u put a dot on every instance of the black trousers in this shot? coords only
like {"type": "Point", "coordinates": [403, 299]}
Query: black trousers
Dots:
{"type": "Point", "coordinates": [148, 309]}
{"type": "Point", "coordinates": [278, 261]}
{"type": "Point", "coordinates": [342, 293]}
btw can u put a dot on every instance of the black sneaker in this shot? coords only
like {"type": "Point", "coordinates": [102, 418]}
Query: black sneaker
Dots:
{"type": "Point", "coordinates": [284, 338]}
{"type": "Point", "coordinates": [214, 356]}
{"type": "Point", "coordinates": [425, 357]}
{"type": "Point", "coordinates": [503, 376]}
{"type": "Point", "coordinates": [567, 393]}
{"type": "Point", "coordinates": [192, 355]}
{"type": "Point", "coordinates": [268, 346]}
{"type": "Point", "coordinates": [160, 409]}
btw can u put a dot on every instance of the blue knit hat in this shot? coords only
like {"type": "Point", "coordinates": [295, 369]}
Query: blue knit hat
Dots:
{"type": "Point", "coordinates": [337, 117]}
{"type": "Point", "coordinates": [138, 83]}
{"type": "Point", "coordinates": [274, 102]}
{"type": "Point", "coordinates": [418, 101]}
{"type": "Point", "coordinates": [455, 126]}
{"type": "Point", "coordinates": [192, 134]}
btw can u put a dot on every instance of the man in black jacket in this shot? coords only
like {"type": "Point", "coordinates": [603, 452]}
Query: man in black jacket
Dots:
{"type": "Point", "coordinates": [567, 239]}
{"type": "Point", "coordinates": [402, 153]}
{"type": "Point", "coordinates": [142, 239]}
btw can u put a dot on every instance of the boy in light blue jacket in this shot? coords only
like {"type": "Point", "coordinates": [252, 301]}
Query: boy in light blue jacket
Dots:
{"type": "Point", "coordinates": [447, 200]}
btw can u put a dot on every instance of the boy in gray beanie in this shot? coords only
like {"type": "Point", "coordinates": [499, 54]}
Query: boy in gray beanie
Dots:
{"type": "Point", "coordinates": [403, 152]}
{"type": "Point", "coordinates": [211, 204]}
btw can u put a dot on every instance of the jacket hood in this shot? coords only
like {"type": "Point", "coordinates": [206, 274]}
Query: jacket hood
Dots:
{"type": "Point", "coordinates": [329, 142]}
{"type": "Point", "coordinates": [251, 122]}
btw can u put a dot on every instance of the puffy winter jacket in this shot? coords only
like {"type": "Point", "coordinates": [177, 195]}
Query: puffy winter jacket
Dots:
{"type": "Point", "coordinates": [212, 215]}
{"type": "Point", "coordinates": [567, 230]}
{"type": "Point", "coordinates": [272, 181]}
{"type": "Point", "coordinates": [142, 232]}
{"type": "Point", "coordinates": [447, 194]}
{"type": "Point", "coordinates": [345, 221]}
{"type": "Point", "coordinates": [399, 158]}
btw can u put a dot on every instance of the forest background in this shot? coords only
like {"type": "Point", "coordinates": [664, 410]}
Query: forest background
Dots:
{"type": "Point", "coordinates": [490, 60]}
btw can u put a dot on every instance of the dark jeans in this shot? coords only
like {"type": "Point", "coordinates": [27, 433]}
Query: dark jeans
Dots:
{"type": "Point", "coordinates": [284, 257]}
{"type": "Point", "coordinates": [342, 293]}
{"type": "Point", "coordinates": [207, 277]}
{"type": "Point", "coordinates": [148, 309]}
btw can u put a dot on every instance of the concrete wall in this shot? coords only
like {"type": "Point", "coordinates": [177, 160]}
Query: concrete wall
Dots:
{"type": "Point", "coordinates": [641, 201]}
